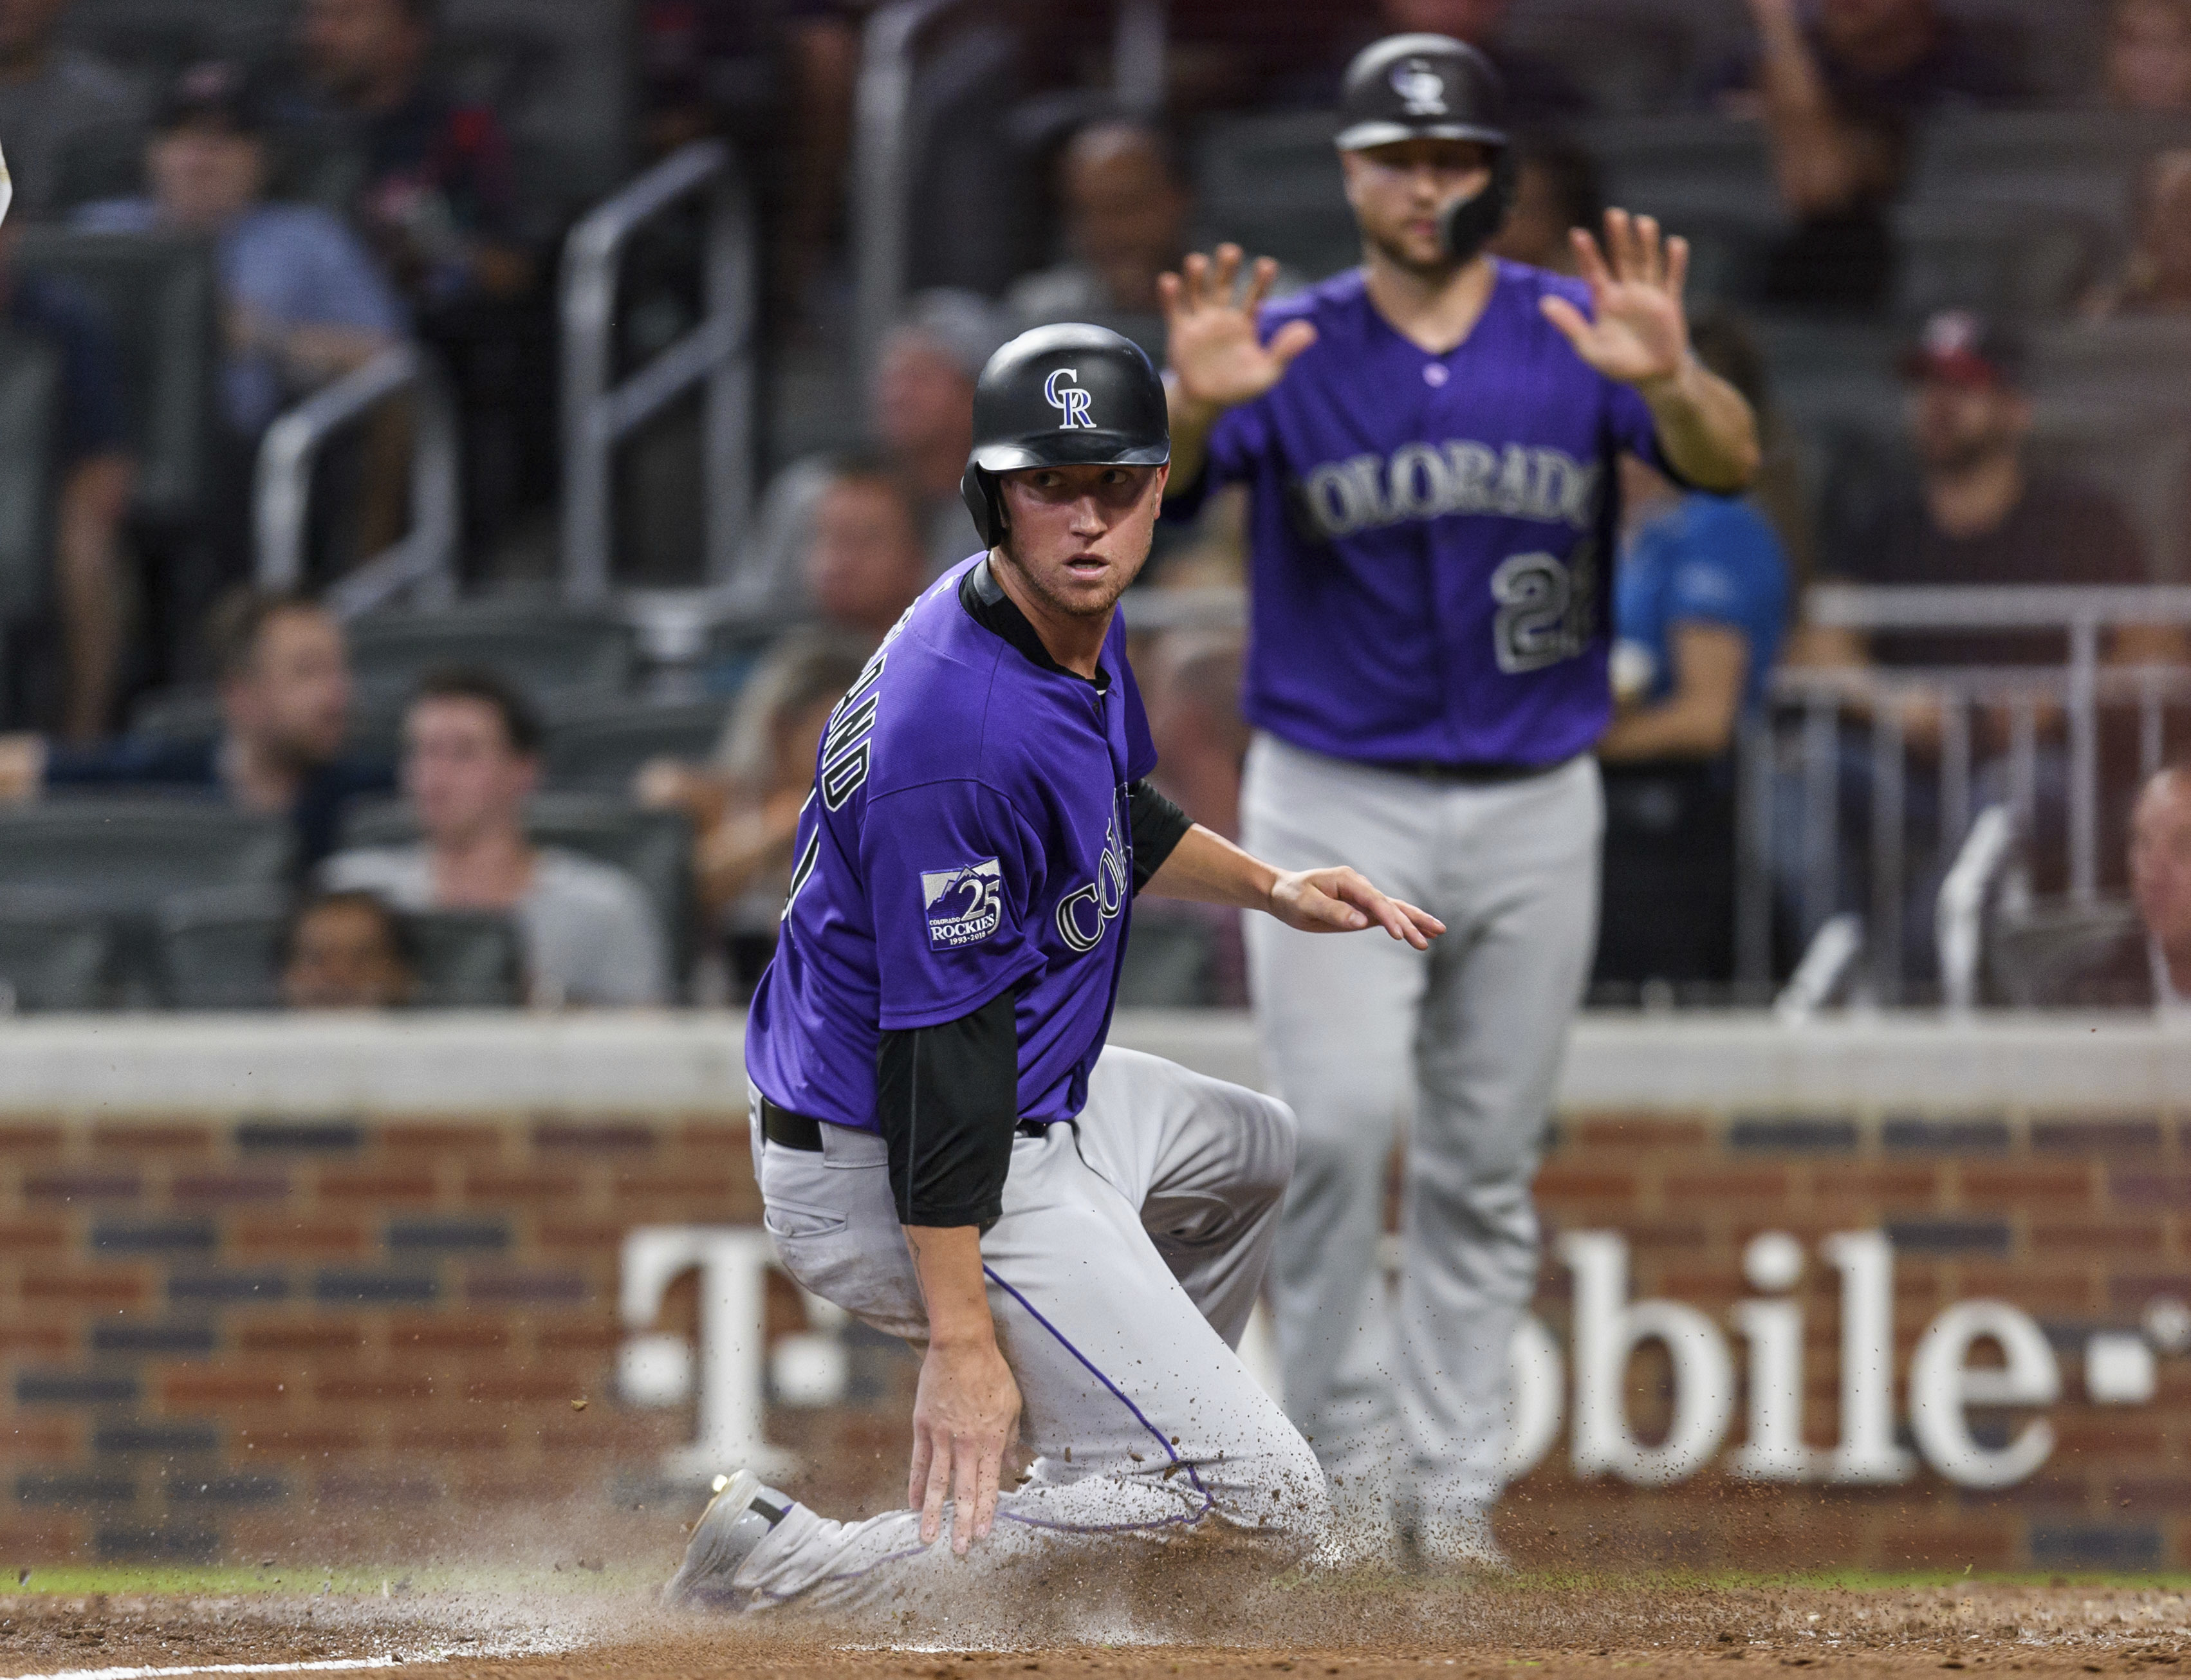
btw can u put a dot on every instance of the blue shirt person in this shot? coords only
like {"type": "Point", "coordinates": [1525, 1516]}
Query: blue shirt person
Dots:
{"type": "Point", "coordinates": [1700, 603]}
{"type": "Point", "coordinates": [303, 300]}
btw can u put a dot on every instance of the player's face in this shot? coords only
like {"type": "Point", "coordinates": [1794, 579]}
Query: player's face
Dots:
{"type": "Point", "coordinates": [2160, 859]}
{"type": "Point", "coordinates": [345, 958]}
{"type": "Point", "coordinates": [2149, 56]}
{"type": "Point", "coordinates": [462, 775]}
{"type": "Point", "coordinates": [293, 701]}
{"type": "Point", "coordinates": [1398, 192]}
{"type": "Point", "coordinates": [1080, 535]}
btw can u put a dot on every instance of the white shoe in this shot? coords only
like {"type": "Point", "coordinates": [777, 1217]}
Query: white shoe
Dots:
{"type": "Point", "coordinates": [742, 1515]}
{"type": "Point", "coordinates": [1461, 1539]}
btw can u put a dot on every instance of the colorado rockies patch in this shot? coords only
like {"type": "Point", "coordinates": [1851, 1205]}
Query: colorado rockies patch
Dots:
{"type": "Point", "coordinates": [965, 905]}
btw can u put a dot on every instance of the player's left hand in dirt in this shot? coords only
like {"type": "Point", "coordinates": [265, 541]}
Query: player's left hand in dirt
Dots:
{"type": "Point", "coordinates": [1341, 901]}
{"type": "Point", "coordinates": [965, 1418]}
{"type": "Point", "coordinates": [1637, 332]}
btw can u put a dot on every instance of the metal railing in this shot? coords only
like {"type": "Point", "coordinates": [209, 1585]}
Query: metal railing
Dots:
{"type": "Point", "coordinates": [422, 565]}
{"type": "Point", "coordinates": [598, 413]}
{"type": "Point", "coordinates": [2083, 613]}
{"type": "Point", "coordinates": [885, 139]}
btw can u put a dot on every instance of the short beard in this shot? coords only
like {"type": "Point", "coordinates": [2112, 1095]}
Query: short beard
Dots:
{"type": "Point", "coordinates": [1438, 270]}
{"type": "Point", "coordinates": [1042, 592]}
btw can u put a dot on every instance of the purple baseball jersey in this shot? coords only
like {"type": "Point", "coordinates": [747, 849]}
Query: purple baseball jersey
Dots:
{"type": "Point", "coordinates": [968, 834]}
{"type": "Point", "coordinates": [1431, 537]}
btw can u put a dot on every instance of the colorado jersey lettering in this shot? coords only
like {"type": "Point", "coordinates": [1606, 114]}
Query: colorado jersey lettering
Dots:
{"type": "Point", "coordinates": [1423, 588]}
{"type": "Point", "coordinates": [969, 837]}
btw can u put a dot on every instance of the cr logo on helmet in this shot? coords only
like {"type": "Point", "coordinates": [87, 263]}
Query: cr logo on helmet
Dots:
{"type": "Point", "coordinates": [1071, 405]}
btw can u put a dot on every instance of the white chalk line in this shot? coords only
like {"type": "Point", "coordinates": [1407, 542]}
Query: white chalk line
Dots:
{"type": "Point", "coordinates": [324, 1665]}
{"type": "Point", "coordinates": [318, 1666]}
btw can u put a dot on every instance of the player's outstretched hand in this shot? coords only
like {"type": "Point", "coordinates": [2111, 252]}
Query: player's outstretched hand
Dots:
{"type": "Point", "coordinates": [1637, 332]}
{"type": "Point", "coordinates": [1211, 342]}
{"type": "Point", "coordinates": [965, 1418]}
{"type": "Point", "coordinates": [1339, 900]}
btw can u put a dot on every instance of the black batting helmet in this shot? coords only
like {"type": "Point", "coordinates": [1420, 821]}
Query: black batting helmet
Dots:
{"type": "Point", "coordinates": [1434, 87]}
{"type": "Point", "coordinates": [1420, 86]}
{"type": "Point", "coordinates": [1065, 396]}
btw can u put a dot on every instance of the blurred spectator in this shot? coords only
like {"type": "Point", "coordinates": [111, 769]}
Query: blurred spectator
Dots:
{"type": "Point", "coordinates": [1839, 97]}
{"type": "Point", "coordinates": [2156, 277]}
{"type": "Point", "coordinates": [922, 413]}
{"type": "Point", "coordinates": [2148, 64]}
{"type": "Point", "coordinates": [1191, 682]}
{"type": "Point", "coordinates": [51, 97]}
{"type": "Point", "coordinates": [1535, 90]}
{"type": "Point", "coordinates": [434, 185]}
{"type": "Point", "coordinates": [346, 950]}
{"type": "Point", "coordinates": [744, 803]}
{"type": "Point", "coordinates": [864, 563]}
{"type": "Point", "coordinates": [304, 302]}
{"type": "Point", "coordinates": [430, 180]}
{"type": "Point", "coordinates": [285, 703]}
{"type": "Point", "coordinates": [1967, 506]}
{"type": "Point", "coordinates": [1700, 607]}
{"type": "Point", "coordinates": [1555, 190]}
{"type": "Point", "coordinates": [777, 76]}
{"type": "Point", "coordinates": [471, 759]}
{"type": "Point", "coordinates": [96, 475]}
{"type": "Point", "coordinates": [1126, 204]}
{"type": "Point", "coordinates": [2148, 966]}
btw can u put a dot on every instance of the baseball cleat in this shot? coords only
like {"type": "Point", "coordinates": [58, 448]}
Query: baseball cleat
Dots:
{"type": "Point", "coordinates": [741, 1514]}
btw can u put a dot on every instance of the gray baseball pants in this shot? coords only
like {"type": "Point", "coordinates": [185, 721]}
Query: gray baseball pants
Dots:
{"type": "Point", "coordinates": [1408, 1409]}
{"type": "Point", "coordinates": [1132, 1248]}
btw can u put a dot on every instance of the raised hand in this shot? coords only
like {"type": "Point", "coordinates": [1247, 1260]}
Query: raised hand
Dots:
{"type": "Point", "coordinates": [1640, 334]}
{"type": "Point", "coordinates": [1213, 348]}
{"type": "Point", "coordinates": [1341, 901]}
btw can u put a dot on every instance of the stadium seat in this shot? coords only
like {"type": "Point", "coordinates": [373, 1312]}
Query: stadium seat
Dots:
{"type": "Point", "coordinates": [552, 652]}
{"type": "Point", "coordinates": [600, 750]}
{"type": "Point", "coordinates": [2010, 260]}
{"type": "Point", "coordinates": [218, 947]}
{"type": "Point", "coordinates": [56, 951]}
{"type": "Point", "coordinates": [160, 295]}
{"type": "Point", "coordinates": [2143, 460]}
{"type": "Point", "coordinates": [2075, 162]}
{"type": "Point", "coordinates": [1695, 165]}
{"type": "Point", "coordinates": [2140, 360]}
{"type": "Point", "coordinates": [126, 854]}
{"type": "Point", "coordinates": [149, 38]}
{"type": "Point", "coordinates": [191, 713]}
{"type": "Point", "coordinates": [2032, 952]}
{"type": "Point", "coordinates": [1623, 58]}
{"type": "Point", "coordinates": [1271, 183]}
{"type": "Point", "coordinates": [654, 846]}
{"type": "Point", "coordinates": [468, 959]}
{"type": "Point", "coordinates": [30, 391]}
{"type": "Point", "coordinates": [1171, 963]}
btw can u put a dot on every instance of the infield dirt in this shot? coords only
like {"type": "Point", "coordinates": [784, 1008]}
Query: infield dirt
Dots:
{"type": "Point", "coordinates": [1355, 1628]}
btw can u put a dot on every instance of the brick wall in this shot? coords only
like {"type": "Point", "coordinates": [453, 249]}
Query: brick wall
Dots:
{"type": "Point", "coordinates": [220, 1334]}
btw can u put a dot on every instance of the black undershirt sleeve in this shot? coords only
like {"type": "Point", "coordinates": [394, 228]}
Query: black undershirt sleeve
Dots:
{"type": "Point", "coordinates": [948, 1097]}
{"type": "Point", "coordinates": [1158, 828]}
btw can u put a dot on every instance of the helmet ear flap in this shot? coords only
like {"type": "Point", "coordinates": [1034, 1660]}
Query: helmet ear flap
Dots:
{"type": "Point", "coordinates": [978, 490]}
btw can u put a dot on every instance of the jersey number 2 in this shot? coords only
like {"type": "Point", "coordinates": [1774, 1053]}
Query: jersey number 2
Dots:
{"type": "Point", "coordinates": [1546, 609]}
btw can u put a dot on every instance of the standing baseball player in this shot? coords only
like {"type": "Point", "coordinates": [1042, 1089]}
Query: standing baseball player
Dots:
{"type": "Point", "coordinates": [1073, 1236]}
{"type": "Point", "coordinates": [1429, 443]}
